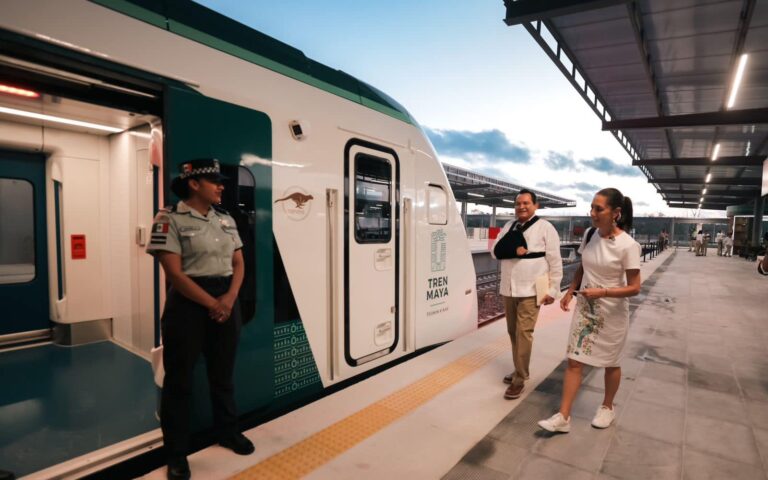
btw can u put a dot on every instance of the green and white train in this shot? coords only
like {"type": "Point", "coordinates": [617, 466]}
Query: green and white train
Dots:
{"type": "Point", "coordinates": [356, 254]}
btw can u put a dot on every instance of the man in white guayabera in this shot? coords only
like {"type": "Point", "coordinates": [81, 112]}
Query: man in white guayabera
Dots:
{"type": "Point", "coordinates": [529, 251]}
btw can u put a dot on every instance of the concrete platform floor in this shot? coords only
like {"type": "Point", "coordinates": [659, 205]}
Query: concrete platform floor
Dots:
{"type": "Point", "coordinates": [693, 403]}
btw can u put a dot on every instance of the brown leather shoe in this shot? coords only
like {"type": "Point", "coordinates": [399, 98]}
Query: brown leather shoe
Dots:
{"type": "Point", "coordinates": [514, 391]}
{"type": "Point", "coordinates": [508, 378]}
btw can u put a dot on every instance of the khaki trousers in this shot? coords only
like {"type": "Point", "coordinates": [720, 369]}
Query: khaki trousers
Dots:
{"type": "Point", "coordinates": [522, 313]}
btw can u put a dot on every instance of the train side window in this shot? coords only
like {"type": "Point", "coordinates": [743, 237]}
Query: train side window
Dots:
{"type": "Point", "coordinates": [437, 201]}
{"type": "Point", "coordinates": [17, 231]}
{"type": "Point", "coordinates": [373, 199]}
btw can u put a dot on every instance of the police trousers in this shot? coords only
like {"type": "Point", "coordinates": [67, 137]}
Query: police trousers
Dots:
{"type": "Point", "coordinates": [187, 332]}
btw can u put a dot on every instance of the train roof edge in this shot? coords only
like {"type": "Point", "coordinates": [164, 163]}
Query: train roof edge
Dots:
{"type": "Point", "coordinates": [203, 25]}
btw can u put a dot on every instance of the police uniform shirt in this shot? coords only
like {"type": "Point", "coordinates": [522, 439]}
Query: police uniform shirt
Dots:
{"type": "Point", "coordinates": [205, 243]}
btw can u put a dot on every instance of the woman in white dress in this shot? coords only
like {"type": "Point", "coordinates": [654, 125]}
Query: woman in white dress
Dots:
{"type": "Point", "coordinates": [609, 274]}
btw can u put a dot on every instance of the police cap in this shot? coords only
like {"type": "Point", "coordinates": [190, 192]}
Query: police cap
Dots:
{"type": "Point", "coordinates": [207, 168]}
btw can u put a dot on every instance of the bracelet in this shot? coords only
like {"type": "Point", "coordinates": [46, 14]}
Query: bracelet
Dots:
{"type": "Point", "coordinates": [606, 293]}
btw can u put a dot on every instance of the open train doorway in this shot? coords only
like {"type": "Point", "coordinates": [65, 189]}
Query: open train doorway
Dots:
{"type": "Point", "coordinates": [78, 182]}
{"type": "Point", "coordinates": [80, 168]}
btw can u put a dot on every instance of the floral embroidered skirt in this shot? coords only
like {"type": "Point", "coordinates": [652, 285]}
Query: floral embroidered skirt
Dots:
{"type": "Point", "coordinates": [599, 331]}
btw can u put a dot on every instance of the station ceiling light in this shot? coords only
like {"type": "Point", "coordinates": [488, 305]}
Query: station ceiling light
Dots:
{"type": "Point", "coordinates": [737, 80]}
{"type": "Point", "coordinates": [704, 192]}
{"type": "Point", "coordinates": [66, 121]}
{"type": "Point", "coordinates": [507, 200]}
{"type": "Point", "coordinates": [709, 177]}
{"type": "Point", "coordinates": [478, 195]}
{"type": "Point", "coordinates": [716, 151]}
{"type": "Point", "coordinates": [19, 92]}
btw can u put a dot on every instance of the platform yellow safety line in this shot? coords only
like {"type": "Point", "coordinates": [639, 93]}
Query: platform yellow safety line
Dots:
{"type": "Point", "coordinates": [311, 453]}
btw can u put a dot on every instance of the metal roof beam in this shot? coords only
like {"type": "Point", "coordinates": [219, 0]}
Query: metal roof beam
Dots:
{"type": "Point", "coordinates": [715, 192]}
{"type": "Point", "coordinates": [522, 11]}
{"type": "Point", "coordinates": [743, 161]}
{"type": "Point", "coordinates": [636, 19]}
{"type": "Point", "coordinates": [714, 181]}
{"type": "Point", "coordinates": [467, 188]}
{"type": "Point", "coordinates": [708, 196]}
{"type": "Point", "coordinates": [709, 119]}
{"type": "Point", "coordinates": [705, 206]}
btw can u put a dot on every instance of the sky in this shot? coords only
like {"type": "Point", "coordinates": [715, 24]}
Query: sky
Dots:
{"type": "Point", "coordinates": [486, 94]}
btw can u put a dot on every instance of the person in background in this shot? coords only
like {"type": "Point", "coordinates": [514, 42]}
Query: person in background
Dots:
{"type": "Point", "coordinates": [536, 253]}
{"type": "Point", "coordinates": [728, 244]}
{"type": "Point", "coordinates": [700, 243]}
{"type": "Point", "coordinates": [199, 249]}
{"type": "Point", "coordinates": [719, 240]}
{"type": "Point", "coordinates": [609, 274]}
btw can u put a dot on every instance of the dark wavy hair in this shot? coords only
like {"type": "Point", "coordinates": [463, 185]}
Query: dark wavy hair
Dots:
{"type": "Point", "coordinates": [617, 200]}
{"type": "Point", "coordinates": [532, 194]}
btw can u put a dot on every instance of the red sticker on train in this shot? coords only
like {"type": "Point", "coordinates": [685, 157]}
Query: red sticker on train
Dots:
{"type": "Point", "coordinates": [78, 247]}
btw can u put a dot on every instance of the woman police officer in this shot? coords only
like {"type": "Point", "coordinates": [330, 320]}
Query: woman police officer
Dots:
{"type": "Point", "coordinates": [200, 251]}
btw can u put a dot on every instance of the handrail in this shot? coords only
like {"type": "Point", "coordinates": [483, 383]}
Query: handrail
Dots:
{"type": "Point", "coordinates": [407, 212]}
{"type": "Point", "coordinates": [331, 195]}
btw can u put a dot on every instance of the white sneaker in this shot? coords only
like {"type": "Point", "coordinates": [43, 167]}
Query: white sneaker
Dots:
{"type": "Point", "coordinates": [603, 417]}
{"type": "Point", "coordinates": [556, 423]}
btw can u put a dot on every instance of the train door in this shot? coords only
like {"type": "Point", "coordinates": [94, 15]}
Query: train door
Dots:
{"type": "Point", "coordinates": [371, 252]}
{"type": "Point", "coordinates": [23, 244]}
{"type": "Point", "coordinates": [240, 138]}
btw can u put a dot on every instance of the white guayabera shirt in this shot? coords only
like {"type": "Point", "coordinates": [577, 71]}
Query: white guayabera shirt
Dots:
{"type": "Point", "coordinates": [518, 275]}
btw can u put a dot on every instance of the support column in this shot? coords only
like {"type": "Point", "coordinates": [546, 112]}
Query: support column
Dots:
{"type": "Point", "coordinates": [757, 223]}
{"type": "Point", "coordinates": [570, 229]}
{"type": "Point", "coordinates": [672, 234]}
{"type": "Point", "coordinates": [464, 214]}
{"type": "Point", "coordinates": [493, 216]}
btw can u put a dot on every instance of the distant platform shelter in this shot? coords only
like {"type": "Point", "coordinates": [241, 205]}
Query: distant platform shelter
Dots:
{"type": "Point", "coordinates": [472, 187]}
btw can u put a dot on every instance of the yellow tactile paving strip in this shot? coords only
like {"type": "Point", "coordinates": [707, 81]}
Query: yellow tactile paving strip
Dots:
{"type": "Point", "coordinates": [309, 454]}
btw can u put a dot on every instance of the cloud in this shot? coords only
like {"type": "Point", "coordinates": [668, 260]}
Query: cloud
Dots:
{"type": "Point", "coordinates": [606, 165]}
{"type": "Point", "coordinates": [580, 186]}
{"type": "Point", "coordinates": [587, 197]}
{"type": "Point", "coordinates": [497, 172]}
{"type": "Point", "coordinates": [642, 204]}
{"type": "Point", "coordinates": [558, 161]}
{"type": "Point", "coordinates": [490, 145]}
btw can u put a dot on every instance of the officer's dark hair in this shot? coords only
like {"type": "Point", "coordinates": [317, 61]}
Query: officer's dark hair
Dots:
{"type": "Point", "coordinates": [616, 199]}
{"type": "Point", "coordinates": [180, 186]}
{"type": "Point", "coordinates": [524, 191]}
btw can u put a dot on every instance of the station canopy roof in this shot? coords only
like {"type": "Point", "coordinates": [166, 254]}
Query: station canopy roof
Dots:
{"type": "Point", "coordinates": [480, 189]}
{"type": "Point", "coordinates": [661, 75]}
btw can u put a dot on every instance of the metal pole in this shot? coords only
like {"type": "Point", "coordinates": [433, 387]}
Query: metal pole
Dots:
{"type": "Point", "coordinates": [493, 217]}
{"type": "Point", "coordinates": [672, 233]}
{"type": "Point", "coordinates": [464, 214]}
{"type": "Point", "coordinates": [757, 223]}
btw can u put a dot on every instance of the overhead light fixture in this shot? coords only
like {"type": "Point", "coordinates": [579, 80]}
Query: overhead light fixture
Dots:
{"type": "Point", "coordinates": [701, 200]}
{"type": "Point", "coordinates": [471, 194]}
{"type": "Point", "coordinates": [709, 177]}
{"type": "Point", "coordinates": [737, 80]}
{"type": "Point", "coordinates": [507, 200]}
{"type": "Point", "coordinates": [716, 152]}
{"type": "Point", "coordinates": [704, 192]}
{"type": "Point", "coordinates": [19, 92]}
{"type": "Point", "coordinates": [66, 121]}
